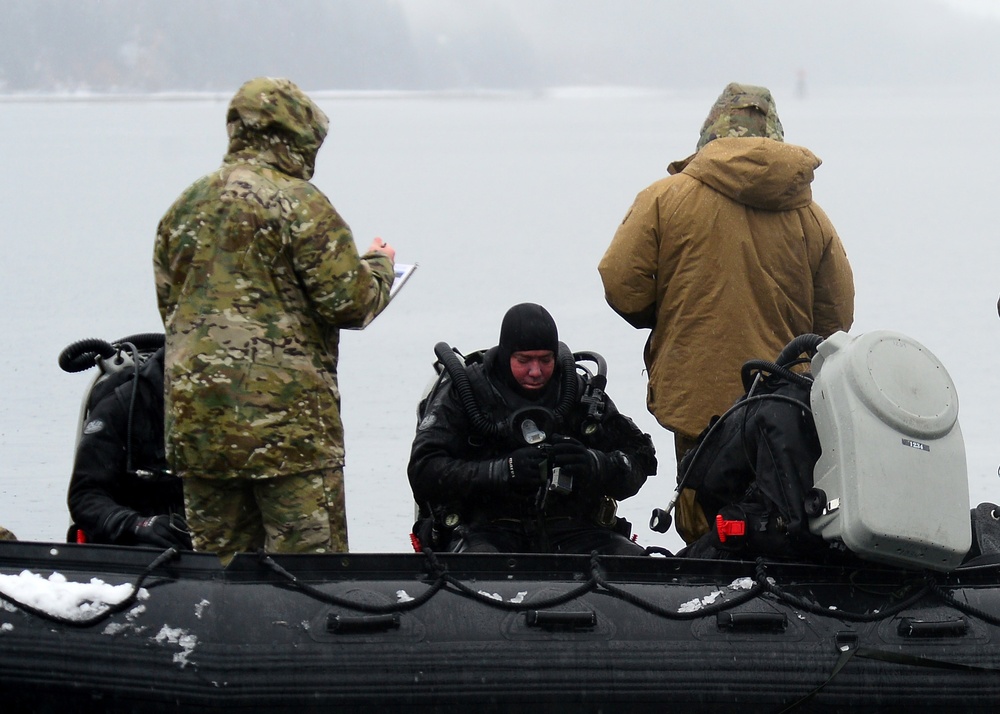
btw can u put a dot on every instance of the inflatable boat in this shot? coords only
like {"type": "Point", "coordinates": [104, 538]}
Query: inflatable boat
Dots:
{"type": "Point", "coordinates": [912, 624]}
{"type": "Point", "coordinates": [457, 632]}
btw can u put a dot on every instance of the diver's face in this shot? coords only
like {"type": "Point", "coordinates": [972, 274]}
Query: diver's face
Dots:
{"type": "Point", "coordinates": [532, 369]}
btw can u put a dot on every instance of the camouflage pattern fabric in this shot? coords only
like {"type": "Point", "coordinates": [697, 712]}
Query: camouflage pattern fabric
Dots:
{"type": "Point", "coordinates": [304, 513]}
{"type": "Point", "coordinates": [255, 275]}
{"type": "Point", "coordinates": [6, 534]}
{"type": "Point", "coordinates": [742, 110]}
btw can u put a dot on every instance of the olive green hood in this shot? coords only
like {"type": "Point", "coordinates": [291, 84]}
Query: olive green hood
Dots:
{"type": "Point", "coordinates": [273, 121]}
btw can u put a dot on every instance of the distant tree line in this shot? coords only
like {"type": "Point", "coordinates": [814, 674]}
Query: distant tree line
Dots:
{"type": "Point", "coordinates": [168, 45]}
{"type": "Point", "coordinates": [215, 45]}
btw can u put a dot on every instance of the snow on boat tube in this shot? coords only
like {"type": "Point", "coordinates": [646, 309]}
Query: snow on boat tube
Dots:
{"type": "Point", "coordinates": [515, 632]}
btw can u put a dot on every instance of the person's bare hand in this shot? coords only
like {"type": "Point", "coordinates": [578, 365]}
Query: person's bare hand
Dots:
{"type": "Point", "coordinates": [380, 246]}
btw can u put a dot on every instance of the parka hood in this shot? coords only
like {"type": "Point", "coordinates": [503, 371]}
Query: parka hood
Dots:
{"type": "Point", "coordinates": [757, 172]}
{"type": "Point", "coordinates": [273, 121]}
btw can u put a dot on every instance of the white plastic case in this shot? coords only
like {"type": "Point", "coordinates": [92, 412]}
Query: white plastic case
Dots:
{"type": "Point", "coordinates": [892, 474]}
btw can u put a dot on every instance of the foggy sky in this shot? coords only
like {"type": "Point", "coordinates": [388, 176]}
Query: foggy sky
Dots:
{"type": "Point", "coordinates": [194, 45]}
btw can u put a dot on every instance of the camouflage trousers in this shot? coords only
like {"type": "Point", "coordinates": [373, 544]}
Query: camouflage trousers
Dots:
{"type": "Point", "coordinates": [302, 513]}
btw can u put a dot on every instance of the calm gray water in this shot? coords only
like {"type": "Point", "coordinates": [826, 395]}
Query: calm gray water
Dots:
{"type": "Point", "coordinates": [501, 200]}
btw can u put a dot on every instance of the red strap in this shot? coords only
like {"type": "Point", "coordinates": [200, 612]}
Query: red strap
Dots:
{"type": "Point", "coordinates": [729, 528]}
{"type": "Point", "coordinates": [415, 542]}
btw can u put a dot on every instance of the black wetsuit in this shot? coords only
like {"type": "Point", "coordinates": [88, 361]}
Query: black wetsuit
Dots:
{"type": "Point", "coordinates": [104, 496]}
{"type": "Point", "coordinates": [450, 455]}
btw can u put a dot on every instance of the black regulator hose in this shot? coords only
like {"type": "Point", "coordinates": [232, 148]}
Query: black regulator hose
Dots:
{"type": "Point", "coordinates": [83, 354]}
{"type": "Point", "coordinates": [456, 370]}
{"type": "Point", "coordinates": [803, 343]}
{"type": "Point", "coordinates": [759, 365]}
{"type": "Point", "coordinates": [145, 341]}
{"type": "Point", "coordinates": [571, 384]}
{"type": "Point", "coordinates": [601, 376]}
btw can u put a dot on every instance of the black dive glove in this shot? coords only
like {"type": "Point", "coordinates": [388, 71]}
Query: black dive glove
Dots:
{"type": "Point", "coordinates": [160, 532]}
{"type": "Point", "coordinates": [589, 465]}
{"type": "Point", "coordinates": [578, 461]}
{"type": "Point", "coordinates": [521, 471]}
{"type": "Point", "coordinates": [525, 468]}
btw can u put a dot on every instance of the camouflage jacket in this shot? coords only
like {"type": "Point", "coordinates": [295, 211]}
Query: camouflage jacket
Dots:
{"type": "Point", "coordinates": [255, 274]}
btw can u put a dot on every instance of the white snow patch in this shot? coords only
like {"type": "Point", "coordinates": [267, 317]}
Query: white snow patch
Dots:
{"type": "Point", "coordinates": [519, 598]}
{"type": "Point", "coordinates": [113, 628]}
{"type": "Point", "coordinates": [6, 627]}
{"type": "Point", "coordinates": [698, 603]}
{"type": "Point", "coordinates": [741, 584]}
{"type": "Point", "coordinates": [711, 597]}
{"type": "Point", "coordinates": [492, 596]}
{"type": "Point", "coordinates": [402, 596]}
{"type": "Point", "coordinates": [690, 606]}
{"type": "Point", "coordinates": [180, 637]}
{"type": "Point", "coordinates": [59, 597]}
{"type": "Point", "coordinates": [199, 609]}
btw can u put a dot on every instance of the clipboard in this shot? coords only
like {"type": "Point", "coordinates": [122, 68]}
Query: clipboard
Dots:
{"type": "Point", "coordinates": [403, 273]}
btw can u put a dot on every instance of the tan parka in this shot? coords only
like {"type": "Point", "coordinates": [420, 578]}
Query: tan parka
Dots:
{"type": "Point", "coordinates": [726, 260]}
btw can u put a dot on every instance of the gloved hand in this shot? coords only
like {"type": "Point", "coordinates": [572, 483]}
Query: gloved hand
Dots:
{"type": "Point", "coordinates": [578, 461]}
{"type": "Point", "coordinates": [524, 468]}
{"type": "Point", "coordinates": [158, 531]}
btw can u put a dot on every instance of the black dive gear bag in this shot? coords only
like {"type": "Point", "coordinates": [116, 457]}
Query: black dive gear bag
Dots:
{"type": "Point", "coordinates": [752, 467]}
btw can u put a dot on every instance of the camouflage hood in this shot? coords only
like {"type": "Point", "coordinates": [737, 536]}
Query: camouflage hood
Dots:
{"type": "Point", "coordinates": [276, 123]}
{"type": "Point", "coordinates": [742, 110]}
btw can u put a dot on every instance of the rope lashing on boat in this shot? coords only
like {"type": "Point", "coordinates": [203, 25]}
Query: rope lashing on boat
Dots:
{"type": "Point", "coordinates": [832, 611]}
{"type": "Point", "coordinates": [442, 581]}
{"type": "Point", "coordinates": [705, 611]}
{"type": "Point", "coordinates": [964, 607]}
{"type": "Point", "coordinates": [597, 582]}
{"type": "Point", "coordinates": [318, 594]}
{"type": "Point", "coordinates": [168, 554]}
